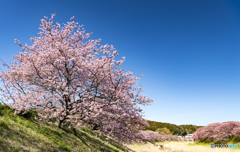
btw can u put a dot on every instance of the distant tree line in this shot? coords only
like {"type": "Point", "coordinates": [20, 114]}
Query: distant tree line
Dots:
{"type": "Point", "coordinates": [171, 129]}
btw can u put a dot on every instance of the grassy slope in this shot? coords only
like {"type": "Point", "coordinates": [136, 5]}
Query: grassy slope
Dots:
{"type": "Point", "coordinates": [20, 134]}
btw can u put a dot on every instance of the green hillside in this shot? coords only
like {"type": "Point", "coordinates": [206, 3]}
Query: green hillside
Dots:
{"type": "Point", "coordinates": [24, 133]}
{"type": "Point", "coordinates": [180, 130]}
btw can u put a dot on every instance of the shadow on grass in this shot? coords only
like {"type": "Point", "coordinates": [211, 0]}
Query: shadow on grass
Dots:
{"type": "Point", "coordinates": [23, 133]}
{"type": "Point", "coordinates": [92, 143]}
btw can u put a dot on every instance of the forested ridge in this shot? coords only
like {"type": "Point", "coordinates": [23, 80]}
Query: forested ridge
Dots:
{"type": "Point", "coordinates": [180, 130]}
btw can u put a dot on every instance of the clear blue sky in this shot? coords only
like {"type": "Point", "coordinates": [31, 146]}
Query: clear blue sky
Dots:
{"type": "Point", "coordinates": [188, 51]}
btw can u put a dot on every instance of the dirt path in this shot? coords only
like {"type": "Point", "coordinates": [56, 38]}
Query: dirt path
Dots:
{"type": "Point", "coordinates": [147, 148]}
{"type": "Point", "coordinates": [177, 146]}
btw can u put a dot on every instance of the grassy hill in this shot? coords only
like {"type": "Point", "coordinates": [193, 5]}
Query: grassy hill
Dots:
{"type": "Point", "coordinates": [23, 133]}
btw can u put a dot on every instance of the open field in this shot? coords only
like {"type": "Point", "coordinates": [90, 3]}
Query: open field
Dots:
{"type": "Point", "coordinates": [179, 146]}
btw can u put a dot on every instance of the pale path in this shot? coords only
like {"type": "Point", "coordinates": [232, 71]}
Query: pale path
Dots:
{"type": "Point", "coordinates": [146, 148]}
{"type": "Point", "coordinates": [177, 146]}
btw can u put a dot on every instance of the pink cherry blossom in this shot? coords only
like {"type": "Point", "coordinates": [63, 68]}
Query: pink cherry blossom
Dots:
{"type": "Point", "coordinates": [62, 75]}
{"type": "Point", "coordinates": [218, 132]}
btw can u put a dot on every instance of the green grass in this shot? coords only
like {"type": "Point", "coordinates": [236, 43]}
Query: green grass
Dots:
{"type": "Point", "coordinates": [23, 133]}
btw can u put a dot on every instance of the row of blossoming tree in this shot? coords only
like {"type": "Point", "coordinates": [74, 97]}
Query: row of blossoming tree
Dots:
{"type": "Point", "coordinates": [154, 136]}
{"type": "Point", "coordinates": [75, 82]}
{"type": "Point", "coordinates": [218, 133]}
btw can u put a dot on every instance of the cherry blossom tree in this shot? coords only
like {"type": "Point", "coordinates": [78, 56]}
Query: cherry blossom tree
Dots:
{"type": "Point", "coordinates": [218, 132]}
{"type": "Point", "coordinates": [74, 81]}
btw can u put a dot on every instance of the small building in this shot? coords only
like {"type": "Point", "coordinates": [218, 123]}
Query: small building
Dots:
{"type": "Point", "coordinates": [188, 137]}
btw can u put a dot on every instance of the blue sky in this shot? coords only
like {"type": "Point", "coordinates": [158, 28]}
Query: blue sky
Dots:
{"type": "Point", "coordinates": [188, 51]}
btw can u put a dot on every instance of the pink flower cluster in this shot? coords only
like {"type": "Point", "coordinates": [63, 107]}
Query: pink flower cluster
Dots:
{"type": "Point", "coordinates": [154, 136]}
{"type": "Point", "coordinates": [218, 132]}
{"type": "Point", "coordinates": [74, 81]}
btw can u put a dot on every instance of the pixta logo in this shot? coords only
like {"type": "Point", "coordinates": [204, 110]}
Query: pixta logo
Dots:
{"type": "Point", "coordinates": [223, 146]}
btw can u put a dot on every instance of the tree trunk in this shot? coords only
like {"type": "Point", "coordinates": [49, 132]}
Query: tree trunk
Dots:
{"type": "Point", "coordinates": [60, 123]}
